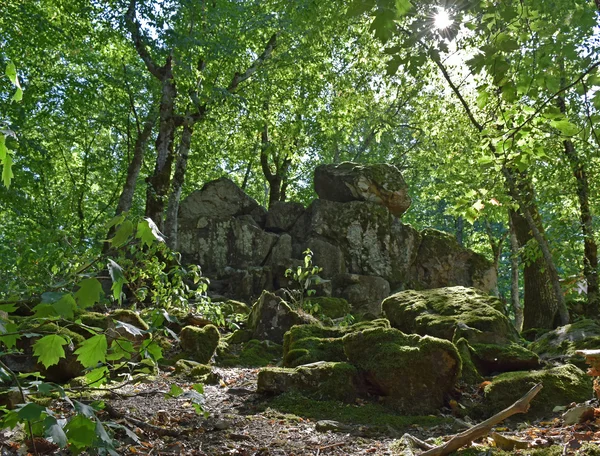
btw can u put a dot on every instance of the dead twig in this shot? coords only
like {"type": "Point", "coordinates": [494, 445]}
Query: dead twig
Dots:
{"type": "Point", "coordinates": [481, 429]}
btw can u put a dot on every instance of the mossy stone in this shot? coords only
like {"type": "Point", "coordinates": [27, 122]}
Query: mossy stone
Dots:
{"type": "Point", "coordinates": [232, 307]}
{"type": "Point", "coordinates": [199, 343]}
{"type": "Point", "coordinates": [254, 353]}
{"type": "Point", "coordinates": [239, 336]}
{"type": "Point", "coordinates": [562, 385]}
{"type": "Point", "coordinates": [469, 373]}
{"type": "Point", "coordinates": [331, 307]}
{"type": "Point", "coordinates": [563, 342]}
{"type": "Point", "coordinates": [413, 373]}
{"type": "Point", "coordinates": [491, 358]}
{"type": "Point", "coordinates": [439, 312]}
{"type": "Point", "coordinates": [130, 317]}
{"type": "Point", "coordinates": [320, 381]}
{"type": "Point", "coordinates": [307, 344]}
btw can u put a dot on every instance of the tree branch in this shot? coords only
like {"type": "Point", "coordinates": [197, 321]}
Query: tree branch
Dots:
{"type": "Point", "coordinates": [239, 78]}
{"type": "Point", "coordinates": [134, 28]}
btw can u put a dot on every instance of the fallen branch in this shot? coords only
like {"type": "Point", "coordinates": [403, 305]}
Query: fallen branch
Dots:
{"type": "Point", "coordinates": [482, 429]}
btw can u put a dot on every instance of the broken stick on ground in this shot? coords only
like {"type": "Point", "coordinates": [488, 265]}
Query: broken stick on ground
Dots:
{"type": "Point", "coordinates": [477, 431]}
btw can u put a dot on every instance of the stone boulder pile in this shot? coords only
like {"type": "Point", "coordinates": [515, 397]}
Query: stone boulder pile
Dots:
{"type": "Point", "coordinates": [353, 230]}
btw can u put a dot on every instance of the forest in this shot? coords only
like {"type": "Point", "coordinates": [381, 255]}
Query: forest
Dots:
{"type": "Point", "coordinates": [171, 175]}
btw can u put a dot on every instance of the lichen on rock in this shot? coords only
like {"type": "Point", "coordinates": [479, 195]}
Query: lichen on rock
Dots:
{"type": "Point", "coordinates": [199, 343]}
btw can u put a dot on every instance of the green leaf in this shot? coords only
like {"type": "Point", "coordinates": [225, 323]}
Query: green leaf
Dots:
{"type": "Point", "coordinates": [116, 274]}
{"type": "Point", "coordinates": [123, 234]}
{"type": "Point", "coordinates": [92, 351]}
{"type": "Point", "coordinates": [3, 148]}
{"type": "Point", "coordinates": [84, 409]}
{"type": "Point", "coordinates": [49, 349]}
{"type": "Point", "coordinates": [152, 350]}
{"type": "Point", "coordinates": [565, 127]}
{"type": "Point", "coordinates": [120, 349]}
{"type": "Point", "coordinates": [7, 173]}
{"type": "Point", "coordinates": [11, 72]}
{"type": "Point", "coordinates": [11, 328]}
{"type": "Point", "coordinates": [31, 411]}
{"type": "Point", "coordinates": [175, 390]}
{"type": "Point", "coordinates": [482, 99]}
{"type": "Point", "coordinates": [133, 330]}
{"type": "Point", "coordinates": [198, 387]}
{"type": "Point", "coordinates": [383, 25]}
{"type": "Point", "coordinates": [148, 232]}
{"type": "Point", "coordinates": [65, 306]}
{"type": "Point", "coordinates": [55, 432]}
{"type": "Point", "coordinates": [81, 433]}
{"type": "Point", "coordinates": [18, 96]}
{"type": "Point", "coordinates": [358, 7]}
{"type": "Point", "coordinates": [403, 7]}
{"type": "Point", "coordinates": [97, 377]}
{"type": "Point", "coordinates": [89, 292]}
{"type": "Point", "coordinates": [393, 64]}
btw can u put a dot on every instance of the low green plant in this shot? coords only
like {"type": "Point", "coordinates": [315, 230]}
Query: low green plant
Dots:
{"type": "Point", "coordinates": [304, 277]}
{"type": "Point", "coordinates": [142, 269]}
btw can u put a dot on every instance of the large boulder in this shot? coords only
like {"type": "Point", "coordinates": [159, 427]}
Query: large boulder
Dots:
{"type": "Point", "coordinates": [283, 215]}
{"type": "Point", "coordinates": [446, 312]}
{"type": "Point", "coordinates": [490, 358]}
{"type": "Point", "coordinates": [308, 344]}
{"type": "Point", "coordinates": [372, 242]}
{"type": "Point", "coordinates": [562, 343]}
{"type": "Point", "coordinates": [442, 262]}
{"type": "Point", "coordinates": [413, 374]}
{"type": "Point", "coordinates": [199, 344]}
{"type": "Point", "coordinates": [271, 317]}
{"type": "Point", "coordinates": [320, 381]}
{"type": "Point", "coordinates": [562, 385]}
{"type": "Point", "coordinates": [364, 293]}
{"type": "Point", "coordinates": [220, 198]}
{"type": "Point", "coordinates": [380, 183]}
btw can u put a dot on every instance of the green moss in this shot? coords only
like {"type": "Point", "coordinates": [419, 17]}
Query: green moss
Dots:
{"type": "Point", "coordinates": [438, 312]}
{"type": "Point", "coordinates": [563, 342]}
{"type": "Point", "coordinates": [491, 358]}
{"type": "Point", "coordinates": [323, 381]}
{"type": "Point", "coordinates": [95, 320]}
{"type": "Point", "coordinates": [369, 414]}
{"type": "Point", "coordinates": [199, 343]}
{"type": "Point", "coordinates": [130, 317]}
{"type": "Point", "coordinates": [562, 385]}
{"type": "Point", "coordinates": [331, 307]}
{"type": "Point", "coordinates": [254, 353]}
{"type": "Point", "coordinates": [469, 373]}
{"type": "Point", "coordinates": [232, 307]}
{"type": "Point", "coordinates": [306, 344]}
{"type": "Point", "coordinates": [239, 336]}
{"type": "Point", "coordinates": [414, 373]}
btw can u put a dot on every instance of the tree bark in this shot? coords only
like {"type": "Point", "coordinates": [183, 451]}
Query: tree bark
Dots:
{"type": "Point", "coordinates": [176, 185]}
{"type": "Point", "coordinates": [590, 247]}
{"type": "Point", "coordinates": [515, 297]}
{"type": "Point", "coordinates": [276, 180]}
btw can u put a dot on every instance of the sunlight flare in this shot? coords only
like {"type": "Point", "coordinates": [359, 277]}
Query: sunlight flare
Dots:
{"type": "Point", "coordinates": [442, 19]}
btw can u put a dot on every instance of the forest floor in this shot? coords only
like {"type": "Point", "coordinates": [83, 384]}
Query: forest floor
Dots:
{"type": "Point", "coordinates": [238, 421]}
{"type": "Point", "coordinates": [241, 422]}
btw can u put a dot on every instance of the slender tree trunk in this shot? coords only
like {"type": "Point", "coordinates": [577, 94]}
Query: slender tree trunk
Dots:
{"type": "Point", "coordinates": [515, 297]}
{"type": "Point", "coordinates": [176, 185]}
{"type": "Point", "coordinates": [276, 180]}
{"type": "Point", "coordinates": [590, 247]}
{"type": "Point", "coordinates": [459, 224]}
{"type": "Point", "coordinates": [135, 165]}
{"type": "Point", "coordinates": [159, 183]}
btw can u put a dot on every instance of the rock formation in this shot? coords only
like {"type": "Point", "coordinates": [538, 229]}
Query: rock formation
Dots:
{"type": "Point", "coordinates": [352, 230]}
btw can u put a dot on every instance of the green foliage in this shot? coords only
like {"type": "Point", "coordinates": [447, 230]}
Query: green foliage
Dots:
{"type": "Point", "coordinates": [305, 276]}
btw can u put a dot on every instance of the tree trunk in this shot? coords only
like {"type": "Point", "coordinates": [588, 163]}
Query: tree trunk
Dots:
{"type": "Point", "coordinates": [543, 296]}
{"type": "Point", "coordinates": [515, 298]}
{"type": "Point", "coordinates": [459, 224]}
{"type": "Point", "coordinates": [159, 182]}
{"type": "Point", "coordinates": [176, 185]}
{"type": "Point", "coordinates": [590, 247]}
{"type": "Point", "coordinates": [133, 170]}
{"type": "Point", "coordinates": [276, 180]}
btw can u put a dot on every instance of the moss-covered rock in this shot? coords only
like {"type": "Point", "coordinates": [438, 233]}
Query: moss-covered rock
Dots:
{"type": "Point", "coordinates": [469, 373]}
{"type": "Point", "coordinates": [130, 317]}
{"type": "Point", "coordinates": [254, 353]}
{"type": "Point", "coordinates": [307, 344]}
{"type": "Point", "coordinates": [199, 343]}
{"type": "Point", "coordinates": [321, 381]}
{"type": "Point", "coordinates": [413, 373]}
{"type": "Point", "coordinates": [271, 317]}
{"type": "Point", "coordinates": [330, 307]}
{"type": "Point", "coordinates": [239, 336]}
{"type": "Point", "coordinates": [440, 312]}
{"type": "Point", "coordinates": [491, 358]}
{"type": "Point", "coordinates": [563, 342]}
{"type": "Point", "coordinates": [562, 385]}
{"type": "Point", "coordinates": [232, 307]}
